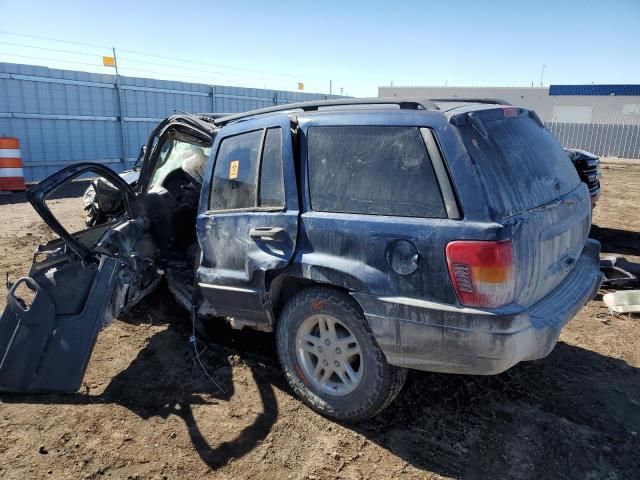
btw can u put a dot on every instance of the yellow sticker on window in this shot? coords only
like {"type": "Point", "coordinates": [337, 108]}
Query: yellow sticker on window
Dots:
{"type": "Point", "coordinates": [233, 169]}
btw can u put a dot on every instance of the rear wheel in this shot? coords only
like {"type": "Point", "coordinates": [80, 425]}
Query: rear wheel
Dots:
{"type": "Point", "coordinates": [330, 356]}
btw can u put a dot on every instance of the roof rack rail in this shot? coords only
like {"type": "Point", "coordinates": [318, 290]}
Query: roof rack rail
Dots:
{"type": "Point", "coordinates": [403, 103]}
{"type": "Point", "coordinates": [497, 101]}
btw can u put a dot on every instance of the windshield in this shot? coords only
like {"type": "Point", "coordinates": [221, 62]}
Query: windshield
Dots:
{"type": "Point", "coordinates": [177, 154]}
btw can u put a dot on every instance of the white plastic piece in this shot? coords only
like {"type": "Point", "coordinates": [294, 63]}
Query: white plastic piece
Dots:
{"type": "Point", "coordinates": [623, 301]}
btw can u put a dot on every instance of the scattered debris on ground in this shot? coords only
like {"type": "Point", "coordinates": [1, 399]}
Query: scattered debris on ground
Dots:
{"type": "Point", "coordinates": [623, 301]}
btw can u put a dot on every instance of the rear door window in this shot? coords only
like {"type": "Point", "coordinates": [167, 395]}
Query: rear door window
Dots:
{"type": "Point", "coordinates": [372, 170]}
{"type": "Point", "coordinates": [271, 172]}
{"type": "Point", "coordinates": [520, 163]}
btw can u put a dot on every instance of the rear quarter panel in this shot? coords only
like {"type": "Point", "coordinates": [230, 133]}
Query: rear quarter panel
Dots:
{"type": "Point", "coordinates": [352, 250]}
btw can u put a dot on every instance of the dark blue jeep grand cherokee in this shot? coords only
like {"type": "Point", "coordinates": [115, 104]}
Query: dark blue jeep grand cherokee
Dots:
{"type": "Point", "coordinates": [371, 235]}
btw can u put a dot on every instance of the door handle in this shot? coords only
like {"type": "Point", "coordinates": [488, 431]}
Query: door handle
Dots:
{"type": "Point", "coordinates": [267, 233]}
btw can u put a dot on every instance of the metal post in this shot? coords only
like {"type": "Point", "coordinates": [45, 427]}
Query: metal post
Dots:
{"type": "Point", "coordinates": [330, 87]}
{"type": "Point", "coordinates": [634, 152]}
{"type": "Point", "coordinates": [213, 99]}
{"type": "Point", "coordinates": [123, 135]}
{"type": "Point", "coordinates": [625, 129]}
{"type": "Point", "coordinates": [580, 137]}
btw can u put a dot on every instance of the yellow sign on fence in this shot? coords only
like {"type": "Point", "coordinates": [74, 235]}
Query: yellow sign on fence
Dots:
{"type": "Point", "coordinates": [300, 86]}
{"type": "Point", "coordinates": [109, 61]}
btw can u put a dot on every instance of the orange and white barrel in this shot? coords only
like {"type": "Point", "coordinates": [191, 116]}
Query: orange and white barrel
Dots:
{"type": "Point", "coordinates": [11, 172]}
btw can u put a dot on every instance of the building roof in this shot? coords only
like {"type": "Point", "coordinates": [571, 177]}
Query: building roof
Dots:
{"type": "Point", "coordinates": [600, 90]}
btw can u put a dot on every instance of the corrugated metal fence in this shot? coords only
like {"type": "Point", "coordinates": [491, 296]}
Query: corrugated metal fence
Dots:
{"type": "Point", "coordinates": [63, 116]}
{"type": "Point", "coordinates": [612, 135]}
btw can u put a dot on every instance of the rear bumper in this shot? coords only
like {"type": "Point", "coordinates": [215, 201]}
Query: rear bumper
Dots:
{"type": "Point", "coordinates": [436, 337]}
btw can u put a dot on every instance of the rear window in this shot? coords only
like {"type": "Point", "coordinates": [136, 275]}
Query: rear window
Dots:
{"type": "Point", "coordinates": [520, 163]}
{"type": "Point", "coordinates": [372, 170]}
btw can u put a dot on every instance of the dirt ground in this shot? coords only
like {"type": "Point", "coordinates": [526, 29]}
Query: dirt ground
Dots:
{"type": "Point", "coordinates": [147, 410]}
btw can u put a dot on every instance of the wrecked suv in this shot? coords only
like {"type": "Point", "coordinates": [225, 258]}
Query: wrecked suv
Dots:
{"type": "Point", "coordinates": [371, 235]}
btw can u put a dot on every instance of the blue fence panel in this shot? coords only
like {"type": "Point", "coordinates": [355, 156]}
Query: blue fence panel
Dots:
{"type": "Point", "coordinates": [63, 116]}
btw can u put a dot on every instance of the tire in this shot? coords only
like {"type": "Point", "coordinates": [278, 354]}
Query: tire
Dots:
{"type": "Point", "coordinates": [339, 396]}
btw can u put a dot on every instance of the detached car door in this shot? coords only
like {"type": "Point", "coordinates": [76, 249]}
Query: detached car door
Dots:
{"type": "Point", "coordinates": [248, 223]}
{"type": "Point", "coordinates": [76, 285]}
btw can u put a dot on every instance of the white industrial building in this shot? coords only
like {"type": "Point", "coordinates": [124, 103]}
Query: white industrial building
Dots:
{"type": "Point", "coordinates": [595, 104]}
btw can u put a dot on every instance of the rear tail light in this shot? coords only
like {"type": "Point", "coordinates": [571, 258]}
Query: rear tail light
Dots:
{"type": "Point", "coordinates": [482, 272]}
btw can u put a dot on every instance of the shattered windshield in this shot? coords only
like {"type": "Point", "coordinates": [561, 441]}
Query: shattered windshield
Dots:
{"type": "Point", "coordinates": [177, 154]}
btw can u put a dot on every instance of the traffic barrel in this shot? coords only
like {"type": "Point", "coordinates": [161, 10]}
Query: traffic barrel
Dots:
{"type": "Point", "coordinates": [11, 172]}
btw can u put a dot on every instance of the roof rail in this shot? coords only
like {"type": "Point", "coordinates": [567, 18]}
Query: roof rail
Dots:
{"type": "Point", "coordinates": [496, 101]}
{"type": "Point", "coordinates": [403, 103]}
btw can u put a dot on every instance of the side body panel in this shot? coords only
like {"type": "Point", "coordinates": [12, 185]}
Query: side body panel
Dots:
{"type": "Point", "coordinates": [356, 251]}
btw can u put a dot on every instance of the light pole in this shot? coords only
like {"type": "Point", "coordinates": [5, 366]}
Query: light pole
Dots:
{"type": "Point", "coordinates": [123, 135]}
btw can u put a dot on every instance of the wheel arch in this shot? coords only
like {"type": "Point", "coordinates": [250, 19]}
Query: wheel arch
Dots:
{"type": "Point", "coordinates": [284, 287]}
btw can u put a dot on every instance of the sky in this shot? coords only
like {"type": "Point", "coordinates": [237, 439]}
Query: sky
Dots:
{"type": "Point", "coordinates": [353, 46]}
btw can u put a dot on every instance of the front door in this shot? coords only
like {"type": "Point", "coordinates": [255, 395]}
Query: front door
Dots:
{"type": "Point", "coordinates": [76, 285]}
{"type": "Point", "coordinates": [248, 221]}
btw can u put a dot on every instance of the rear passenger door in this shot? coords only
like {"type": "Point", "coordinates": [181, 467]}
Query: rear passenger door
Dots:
{"type": "Point", "coordinates": [248, 223]}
